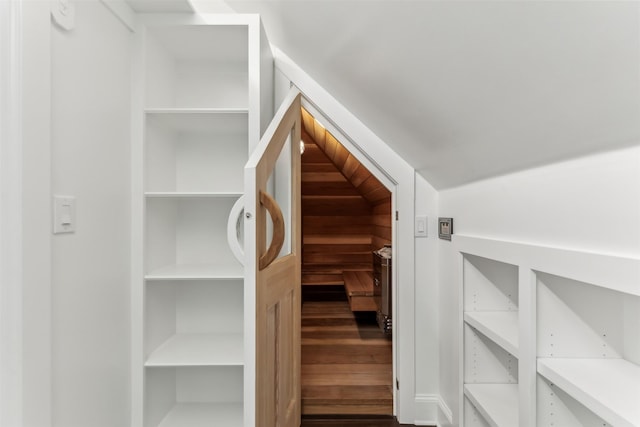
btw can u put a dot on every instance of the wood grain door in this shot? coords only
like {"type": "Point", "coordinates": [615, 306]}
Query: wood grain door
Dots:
{"type": "Point", "coordinates": [272, 253]}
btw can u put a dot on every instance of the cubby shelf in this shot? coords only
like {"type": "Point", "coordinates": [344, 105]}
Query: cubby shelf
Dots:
{"type": "Point", "coordinates": [499, 326]}
{"type": "Point", "coordinates": [498, 403]}
{"type": "Point", "coordinates": [197, 115]}
{"type": "Point", "coordinates": [549, 336]}
{"type": "Point", "coordinates": [204, 415]}
{"type": "Point", "coordinates": [608, 387]}
{"type": "Point", "coordinates": [226, 271]}
{"type": "Point", "coordinates": [199, 350]}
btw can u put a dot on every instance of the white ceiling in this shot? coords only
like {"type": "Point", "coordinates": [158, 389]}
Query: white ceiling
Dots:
{"type": "Point", "coordinates": [469, 90]}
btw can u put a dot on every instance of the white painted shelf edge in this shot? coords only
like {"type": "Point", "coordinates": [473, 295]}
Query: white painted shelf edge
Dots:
{"type": "Point", "coordinates": [199, 350]}
{"type": "Point", "coordinates": [191, 194]}
{"type": "Point", "coordinates": [498, 403]}
{"type": "Point", "coordinates": [196, 110]}
{"type": "Point", "coordinates": [230, 270]}
{"type": "Point", "coordinates": [499, 326]}
{"type": "Point", "coordinates": [204, 415]}
{"type": "Point", "coordinates": [608, 387]}
{"type": "Point", "coordinates": [613, 272]}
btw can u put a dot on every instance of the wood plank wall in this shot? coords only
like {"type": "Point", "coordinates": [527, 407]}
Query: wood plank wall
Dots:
{"type": "Point", "coordinates": [337, 223]}
{"type": "Point", "coordinates": [346, 210]}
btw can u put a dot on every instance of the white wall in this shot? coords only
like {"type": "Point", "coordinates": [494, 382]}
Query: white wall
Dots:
{"type": "Point", "coordinates": [426, 306]}
{"type": "Point", "coordinates": [90, 108]}
{"type": "Point", "coordinates": [588, 204]}
{"type": "Point", "coordinates": [36, 220]}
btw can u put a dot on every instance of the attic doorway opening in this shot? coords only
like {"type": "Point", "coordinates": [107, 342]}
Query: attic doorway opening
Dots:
{"type": "Point", "coordinates": [347, 354]}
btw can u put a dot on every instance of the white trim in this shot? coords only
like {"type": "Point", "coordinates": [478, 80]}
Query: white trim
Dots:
{"type": "Point", "coordinates": [445, 411]}
{"type": "Point", "coordinates": [431, 410]}
{"type": "Point", "coordinates": [235, 216]}
{"type": "Point", "coordinates": [11, 215]}
{"type": "Point", "coordinates": [401, 173]}
{"type": "Point", "coordinates": [137, 229]}
{"type": "Point", "coordinates": [427, 409]}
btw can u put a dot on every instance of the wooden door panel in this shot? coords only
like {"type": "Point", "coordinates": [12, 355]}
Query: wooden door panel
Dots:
{"type": "Point", "coordinates": [276, 279]}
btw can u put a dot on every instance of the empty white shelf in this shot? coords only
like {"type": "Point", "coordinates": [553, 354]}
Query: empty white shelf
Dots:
{"type": "Point", "coordinates": [608, 387]}
{"type": "Point", "coordinates": [230, 270]}
{"type": "Point", "coordinates": [498, 403]}
{"type": "Point", "coordinates": [191, 194]}
{"type": "Point", "coordinates": [199, 350]}
{"type": "Point", "coordinates": [499, 326]}
{"type": "Point", "coordinates": [204, 415]}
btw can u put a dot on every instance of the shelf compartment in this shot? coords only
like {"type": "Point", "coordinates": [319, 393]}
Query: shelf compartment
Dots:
{"type": "Point", "coordinates": [204, 415]}
{"type": "Point", "coordinates": [194, 323]}
{"type": "Point", "coordinates": [608, 387]}
{"type": "Point", "coordinates": [197, 65]}
{"type": "Point", "coordinates": [489, 285]}
{"type": "Point", "coordinates": [485, 362]}
{"type": "Point", "coordinates": [182, 147]}
{"type": "Point", "coordinates": [199, 350]}
{"type": "Point", "coordinates": [580, 320]}
{"type": "Point", "coordinates": [497, 403]}
{"type": "Point", "coordinates": [499, 326]}
{"type": "Point", "coordinates": [188, 236]}
{"type": "Point", "coordinates": [193, 396]}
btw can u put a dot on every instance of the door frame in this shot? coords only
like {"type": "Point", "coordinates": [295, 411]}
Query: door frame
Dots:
{"type": "Point", "coordinates": [391, 185]}
{"type": "Point", "coordinates": [393, 167]}
{"type": "Point", "coordinates": [11, 324]}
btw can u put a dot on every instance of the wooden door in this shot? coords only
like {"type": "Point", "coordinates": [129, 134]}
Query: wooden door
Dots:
{"type": "Point", "coordinates": [274, 271]}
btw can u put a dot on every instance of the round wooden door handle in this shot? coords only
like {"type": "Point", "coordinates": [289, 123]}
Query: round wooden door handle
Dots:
{"type": "Point", "coordinates": [277, 241]}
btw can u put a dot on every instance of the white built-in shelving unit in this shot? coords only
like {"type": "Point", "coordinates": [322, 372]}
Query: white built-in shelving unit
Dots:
{"type": "Point", "coordinates": [549, 336]}
{"type": "Point", "coordinates": [490, 341]}
{"type": "Point", "coordinates": [198, 116]}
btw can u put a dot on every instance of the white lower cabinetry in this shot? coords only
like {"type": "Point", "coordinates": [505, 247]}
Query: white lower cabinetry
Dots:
{"type": "Point", "coordinates": [550, 336]}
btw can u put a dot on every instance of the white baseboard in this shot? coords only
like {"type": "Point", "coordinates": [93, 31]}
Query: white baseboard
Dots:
{"type": "Point", "coordinates": [431, 410]}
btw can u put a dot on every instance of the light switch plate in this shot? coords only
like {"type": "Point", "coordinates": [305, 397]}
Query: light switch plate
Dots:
{"type": "Point", "coordinates": [64, 214]}
{"type": "Point", "coordinates": [421, 226]}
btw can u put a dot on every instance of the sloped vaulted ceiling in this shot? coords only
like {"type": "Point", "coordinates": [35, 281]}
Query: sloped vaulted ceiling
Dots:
{"type": "Point", "coordinates": [469, 90]}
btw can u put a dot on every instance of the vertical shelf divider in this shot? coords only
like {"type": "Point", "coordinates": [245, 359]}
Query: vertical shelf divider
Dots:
{"type": "Point", "coordinates": [527, 358]}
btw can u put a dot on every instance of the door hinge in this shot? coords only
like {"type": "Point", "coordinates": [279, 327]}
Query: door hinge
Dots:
{"type": "Point", "coordinates": [397, 215]}
{"type": "Point", "coordinates": [397, 384]}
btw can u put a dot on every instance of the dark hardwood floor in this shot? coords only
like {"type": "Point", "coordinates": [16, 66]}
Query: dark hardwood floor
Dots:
{"type": "Point", "coordinates": [346, 363]}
